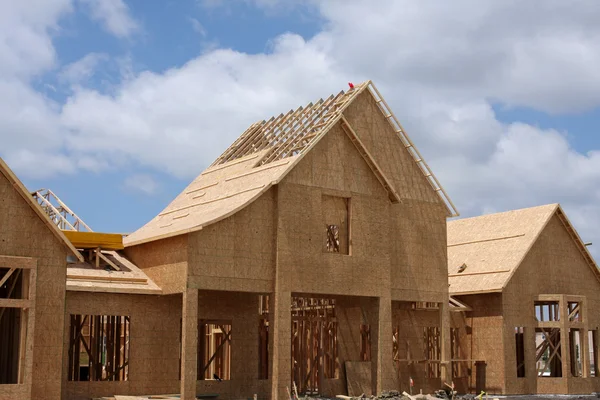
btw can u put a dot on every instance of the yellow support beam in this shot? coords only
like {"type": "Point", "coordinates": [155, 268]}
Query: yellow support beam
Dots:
{"type": "Point", "coordinates": [94, 240]}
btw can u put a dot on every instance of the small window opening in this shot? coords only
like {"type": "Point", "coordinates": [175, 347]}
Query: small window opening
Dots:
{"type": "Point", "coordinates": [548, 352]}
{"type": "Point", "coordinates": [431, 338]}
{"type": "Point", "coordinates": [336, 217]}
{"type": "Point", "coordinates": [214, 350]}
{"type": "Point", "coordinates": [574, 311]}
{"type": "Point", "coordinates": [576, 359]}
{"type": "Point", "coordinates": [333, 238]}
{"type": "Point", "coordinates": [547, 311]}
{"type": "Point", "coordinates": [592, 337]}
{"type": "Point", "coordinates": [99, 348]}
{"type": "Point", "coordinates": [365, 342]}
{"type": "Point", "coordinates": [520, 351]}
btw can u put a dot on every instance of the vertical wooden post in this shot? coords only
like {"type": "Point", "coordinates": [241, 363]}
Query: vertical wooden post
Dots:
{"type": "Point", "coordinates": [565, 342]}
{"type": "Point", "coordinates": [189, 340]}
{"type": "Point", "coordinates": [383, 372]}
{"type": "Point", "coordinates": [280, 319]}
{"type": "Point", "coordinates": [446, 365]}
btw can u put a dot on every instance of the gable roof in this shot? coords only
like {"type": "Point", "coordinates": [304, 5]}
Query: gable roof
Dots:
{"type": "Point", "coordinates": [24, 193]}
{"type": "Point", "coordinates": [262, 156]}
{"type": "Point", "coordinates": [489, 248]}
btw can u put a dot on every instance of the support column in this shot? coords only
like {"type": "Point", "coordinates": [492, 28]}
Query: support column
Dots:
{"type": "Point", "coordinates": [445, 350]}
{"type": "Point", "coordinates": [585, 351]}
{"type": "Point", "coordinates": [565, 340]}
{"type": "Point", "coordinates": [280, 343]}
{"type": "Point", "coordinates": [383, 372]}
{"type": "Point", "coordinates": [189, 344]}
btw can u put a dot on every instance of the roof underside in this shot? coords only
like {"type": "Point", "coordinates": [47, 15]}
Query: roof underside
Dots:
{"type": "Point", "coordinates": [261, 157]}
{"type": "Point", "coordinates": [485, 251]}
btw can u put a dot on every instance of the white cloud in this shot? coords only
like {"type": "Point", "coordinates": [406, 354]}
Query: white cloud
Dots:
{"type": "Point", "coordinates": [81, 70]}
{"type": "Point", "coordinates": [141, 183]}
{"type": "Point", "coordinates": [197, 26]}
{"type": "Point", "coordinates": [441, 67]}
{"type": "Point", "coordinates": [114, 16]}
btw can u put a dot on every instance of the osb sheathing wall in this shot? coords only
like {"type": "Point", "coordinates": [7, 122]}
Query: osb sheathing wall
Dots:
{"type": "Point", "coordinates": [237, 253]}
{"type": "Point", "coordinates": [154, 343]}
{"type": "Point", "coordinates": [22, 233]}
{"type": "Point", "coordinates": [164, 261]}
{"type": "Point", "coordinates": [418, 223]}
{"type": "Point", "coordinates": [554, 265]}
{"type": "Point", "coordinates": [481, 338]}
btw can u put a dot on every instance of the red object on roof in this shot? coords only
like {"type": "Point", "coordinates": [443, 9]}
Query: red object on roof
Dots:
{"type": "Point", "coordinates": [351, 85]}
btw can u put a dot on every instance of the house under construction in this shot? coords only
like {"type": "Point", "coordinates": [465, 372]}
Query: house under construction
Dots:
{"type": "Point", "coordinates": [311, 256]}
{"type": "Point", "coordinates": [533, 290]}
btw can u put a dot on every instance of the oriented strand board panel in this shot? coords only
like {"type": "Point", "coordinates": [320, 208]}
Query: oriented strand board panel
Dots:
{"type": "Point", "coordinates": [24, 234]}
{"type": "Point", "coordinates": [492, 247]}
{"type": "Point", "coordinates": [358, 378]}
{"type": "Point", "coordinates": [164, 261]}
{"type": "Point", "coordinates": [237, 253]}
{"type": "Point", "coordinates": [387, 149]}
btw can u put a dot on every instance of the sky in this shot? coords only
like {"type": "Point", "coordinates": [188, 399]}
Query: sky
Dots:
{"type": "Point", "coordinates": [116, 105]}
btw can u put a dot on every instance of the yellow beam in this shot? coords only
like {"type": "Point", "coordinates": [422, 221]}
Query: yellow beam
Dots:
{"type": "Point", "coordinates": [93, 240]}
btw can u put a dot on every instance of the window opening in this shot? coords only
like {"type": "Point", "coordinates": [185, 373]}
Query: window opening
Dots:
{"type": "Point", "coordinates": [548, 352]}
{"type": "Point", "coordinates": [333, 239]}
{"type": "Point", "coordinates": [520, 351]}
{"type": "Point", "coordinates": [574, 311]}
{"type": "Point", "coordinates": [336, 216]}
{"type": "Point", "coordinates": [431, 338]}
{"type": "Point", "coordinates": [547, 311]}
{"type": "Point", "coordinates": [99, 348]}
{"type": "Point", "coordinates": [214, 350]}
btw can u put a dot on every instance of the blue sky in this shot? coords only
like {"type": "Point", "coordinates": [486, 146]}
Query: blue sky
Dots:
{"type": "Point", "coordinates": [116, 105]}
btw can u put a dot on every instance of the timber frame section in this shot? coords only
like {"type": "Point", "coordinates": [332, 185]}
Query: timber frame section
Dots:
{"type": "Point", "coordinates": [28, 267]}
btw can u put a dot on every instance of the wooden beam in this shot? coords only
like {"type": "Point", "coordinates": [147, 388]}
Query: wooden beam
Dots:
{"type": "Point", "coordinates": [6, 276]}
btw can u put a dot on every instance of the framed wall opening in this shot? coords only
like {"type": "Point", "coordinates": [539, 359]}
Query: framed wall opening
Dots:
{"type": "Point", "coordinates": [99, 348]}
{"type": "Point", "coordinates": [214, 350]}
{"type": "Point", "coordinates": [314, 343]}
{"type": "Point", "coordinates": [574, 309]}
{"type": "Point", "coordinates": [336, 217]}
{"type": "Point", "coordinates": [432, 348]}
{"type": "Point", "coordinates": [520, 351]}
{"type": "Point", "coordinates": [548, 352]}
{"type": "Point", "coordinates": [547, 311]}
{"type": "Point", "coordinates": [17, 296]}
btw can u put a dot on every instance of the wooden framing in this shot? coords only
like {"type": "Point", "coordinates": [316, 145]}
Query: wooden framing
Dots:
{"type": "Point", "coordinates": [26, 269]}
{"type": "Point", "coordinates": [105, 340]}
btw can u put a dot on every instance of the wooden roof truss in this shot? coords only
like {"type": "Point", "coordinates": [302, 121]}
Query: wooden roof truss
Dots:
{"type": "Point", "coordinates": [58, 211]}
{"type": "Point", "coordinates": [290, 134]}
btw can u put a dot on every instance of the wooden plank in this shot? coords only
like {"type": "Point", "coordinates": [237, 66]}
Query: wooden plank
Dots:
{"type": "Point", "coordinates": [93, 240]}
